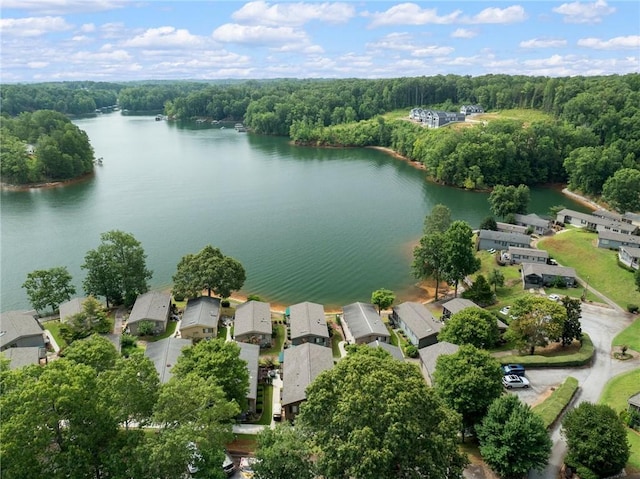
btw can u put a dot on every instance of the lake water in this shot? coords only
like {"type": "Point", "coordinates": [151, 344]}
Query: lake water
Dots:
{"type": "Point", "coordinates": [308, 224]}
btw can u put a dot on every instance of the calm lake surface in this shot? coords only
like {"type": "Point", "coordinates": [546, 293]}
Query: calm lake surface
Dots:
{"type": "Point", "coordinates": [308, 224]}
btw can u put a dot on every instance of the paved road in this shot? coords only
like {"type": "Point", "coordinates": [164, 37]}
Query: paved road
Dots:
{"type": "Point", "coordinates": [602, 324]}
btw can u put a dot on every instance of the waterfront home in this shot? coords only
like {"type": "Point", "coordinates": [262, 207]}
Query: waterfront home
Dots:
{"type": "Point", "coordinates": [394, 351]}
{"type": "Point", "coordinates": [634, 403]}
{"type": "Point", "coordinates": [455, 306]}
{"type": "Point", "coordinates": [307, 324]}
{"type": "Point", "coordinates": [611, 240]}
{"type": "Point", "coordinates": [527, 255]}
{"type": "Point", "coordinates": [200, 318]}
{"type": "Point", "coordinates": [70, 308]}
{"type": "Point", "coordinates": [20, 357]}
{"type": "Point", "coordinates": [154, 307]}
{"type": "Point", "coordinates": [164, 355]}
{"type": "Point", "coordinates": [509, 228]}
{"type": "Point", "coordinates": [252, 323]}
{"type": "Point", "coordinates": [594, 223]}
{"type": "Point", "coordinates": [250, 353]}
{"type": "Point", "coordinates": [362, 324]}
{"type": "Point", "coordinates": [532, 221]}
{"type": "Point", "coordinates": [19, 330]}
{"type": "Point", "coordinates": [429, 357]}
{"type": "Point", "coordinates": [630, 256]}
{"type": "Point", "coordinates": [539, 275]}
{"type": "Point", "coordinates": [498, 240]}
{"type": "Point", "coordinates": [302, 364]}
{"type": "Point", "coordinates": [417, 322]}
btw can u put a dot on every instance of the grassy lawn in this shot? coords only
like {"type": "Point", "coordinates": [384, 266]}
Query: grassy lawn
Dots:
{"type": "Point", "coordinates": [615, 394]}
{"type": "Point", "coordinates": [601, 269]}
{"type": "Point", "coordinates": [171, 329]}
{"type": "Point", "coordinates": [629, 337]}
{"type": "Point", "coordinates": [54, 328]}
{"type": "Point", "coordinates": [555, 355]}
{"type": "Point", "coordinates": [335, 341]}
{"type": "Point", "coordinates": [222, 332]}
{"type": "Point", "coordinates": [551, 407]}
{"type": "Point", "coordinates": [267, 405]}
{"type": "Point", "coordinates": [520, 114]}
{"type": "Point", "coordinates": [278, 342]}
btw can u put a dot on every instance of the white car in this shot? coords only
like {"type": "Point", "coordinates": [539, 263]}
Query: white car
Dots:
{"type": "Point", "coordinates": [491, 251]}
{"type": "Point", "coordinates": [513, 381]}
{"type": "Point", "coordinates": [505, 310]}
{"type": "Point", "coordinates": [554, 297]}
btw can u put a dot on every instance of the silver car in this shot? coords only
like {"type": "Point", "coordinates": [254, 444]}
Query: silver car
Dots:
{"type": "Point", "coordinates": [512, 381]}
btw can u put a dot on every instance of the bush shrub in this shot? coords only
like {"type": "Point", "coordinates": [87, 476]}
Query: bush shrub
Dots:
{"type": "Point", "coordinates": [633, 308]}
{"type": "Point", "coordinates": [581, 358]}
{"type": "Point", "coordinates": [225, 303]}
{"type": "Point", "coordinates": [411, 351]}
{"type": "Point", "coordinates": [127, 340]}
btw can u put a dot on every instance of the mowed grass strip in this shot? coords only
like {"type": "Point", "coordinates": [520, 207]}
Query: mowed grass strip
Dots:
{"type": "Point", "coordinates": [557, 357]}
{"type": "Point", "coordinates": [630, 337]}
{"type": "Point", "coordinates": [552, 407]}
{"type": "Point", "coordinates": [577, 248]}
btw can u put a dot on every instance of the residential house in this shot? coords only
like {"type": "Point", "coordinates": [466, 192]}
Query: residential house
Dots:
{"type": "Point", "coordinates": [634, 403]}
{"type": "Point", "coordinates": [307, 324]}
{"type": "Point", "coordinates": [154, 306]}
{"type": "Point", "coordinates": [527, 255]}
{"type": "Point", "coordinates": [302, 364]}
{"type": "Point", "coordinates": [610, 240]}
{"type": "Point", "coordinates": [498, 240]}
{"type": "Point", "coordinates": [608, 215]}
{"type": "Point", "coordinates": [19, 330]}
{"type": "Point", "coordinates": [632, 218]}
{"type": "Point", "coordinates": [395, 351]}
{"type": "Point", "coordinates": [250, 353]}
{"type": "Point", "coordinates": [362, 324]}
{"type": "Point", "coordinates": [539, 275]}
{"type": "Point", "coordinates": [469, 109]}
{"type": "Point", "coordinates": [20, 357]}
{"type": "Point", "coordinates": [509, 228]}
{"type": "Point", "coordinates": [538, 225]}
{"type": "Point", "coordinates": [417, 322]}
{"type": "Point", "coordinates": [200, 318]}
{"type": "Point", "coordinates": [70, 308]}
{"type": "Point", "coordinates": [594, 223]}
{"type": "Point", "coordinates": [435, 118]}
{"type": "Point", "coordinates": [455, 306]}
{"type": "Point", "coordinates": [429, 357]}
{"type": "Point", "coordinates": [164, 355]}
{"type": "Point", "coordinates": [629, 255]}
{"type": "Point", "coordinates": [252, 323]}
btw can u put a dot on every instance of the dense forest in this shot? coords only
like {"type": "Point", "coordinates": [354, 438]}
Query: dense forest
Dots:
{"type": "Point", "coordinates": [42, 146]}
{"type": "Point", "coordinates": [583, 129]}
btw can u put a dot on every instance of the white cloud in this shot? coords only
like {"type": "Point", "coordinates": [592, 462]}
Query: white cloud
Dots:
{"type": "Point", "coordinates": [581, 12]}
{"type": "Point", "coordinates": [62, 7]}
{"type": "Point", "coordinates": [33, 26]}
{"type": "Point", "coordinates": [292, 14]}
{"type": "Point", "coordinates": [112, 30]}
{"type": "Point", "coordinates": [513, 14]}
{"type": "Point", "coordinates": [164, 37]}
{"type": "Point", "coordinates": [88, 28]}
{"type": "Point", "coordinates": [543, 43]}
{"type": "Point", "coordinates": [405, 42]}
{"type": "Point", "coordinates": [432, 51]}
{"type": "Point", "coordinates": [258, 35]}
{"type": "Point", "coordinates": [112, 56]}
{"type": "Point", "coordinates": [410, 14]}
{"type": "Point", "coordinates": [616, 43]}
{"type": "Point", "coordinates": [37, 65]}
{"type": "Point", "coordinates": [80, 38]}
{"type": "Point", "coordinates": [463, 33]}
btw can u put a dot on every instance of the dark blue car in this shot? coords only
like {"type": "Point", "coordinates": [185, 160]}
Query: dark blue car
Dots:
{"type": "Point", "coordinates": [517, 369]}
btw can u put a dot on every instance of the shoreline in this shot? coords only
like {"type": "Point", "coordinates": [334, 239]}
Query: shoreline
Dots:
{"type": "Point", "coordinates": [584, 201]}
{"type": "Point", "coordinates": [47, 185]}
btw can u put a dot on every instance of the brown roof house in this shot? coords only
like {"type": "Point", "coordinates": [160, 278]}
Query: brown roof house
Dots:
{"type": "Point", "coordinates": [308, 324]}
{"type": "Point", "coordinates": [153, 306]}
{"type": "Point", "coordinates": [362, 324]}
{"type": "Point", "coordinates": [200, 318]}
{"type": "Point", "coordinates": [417, 322]}
{"type": "Point", "coordinates": [302, 364]}
{"type": "Point", "coordinates": [252, 323]}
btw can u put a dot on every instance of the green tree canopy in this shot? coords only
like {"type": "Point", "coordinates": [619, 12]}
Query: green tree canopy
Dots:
{"type": "Point", "coordinates": [596, 439]}
{"type": "Point", "coordinates": [430, 259]}
{"type": "Point", "coordinates": [91, 319]}
{"type": "Point", "coordinates": [571, 329]}
{"type": "Point", "coordinates": [219, 362]}
{"type": "Point", "coordinates": [480, 292]}
{"type": "Point", "coordinates": [117, 268]}
{"type": "Point", "coordinates": [468, 381]}
{"type": "Point", "coordinates": [95, 351]}
{"type": "Point", "coordinates": [489, 223]}
{"type": "Point", "coordinates": [208, 269]}
{"type": "Point", "coordinates": [49, 288]}
{"type": "Point", "coordinates": [622, 190]}
{"type": "Point", "coordinates": [505, 200]}
{"type": "Point", "coordinates": [537, 321]}
{"type": "Point", "coordinates": [474, 326]}
{"type": "Point", "coordinates": [283, 453]}
{"type": "Point", "coordinates": [382, 298]}
{"type": "Point", "coordinates": [371, 416]}
{"type": "Point", "coordinates": [460, 259]}
{"type": "Point", "coordinates": [438, 220]}
{"type": "Point", "coordinates": [513, 439]}
{"type": "Point", "coordinates": [496, 278]}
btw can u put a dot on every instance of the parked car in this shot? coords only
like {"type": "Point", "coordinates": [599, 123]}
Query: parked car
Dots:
{"type": "Point", "coordinates": [505, 310]}
{"type": "Point", "coordinates": [513, 381]}
{"type": "Point", "coordinates": [517, 369]}
{"type": "Point", "coordinates": [554, 297]}
{"type": "Point", "coordinates": [246, 467]}
{"type": "Point", "coordinates": [491, 251]}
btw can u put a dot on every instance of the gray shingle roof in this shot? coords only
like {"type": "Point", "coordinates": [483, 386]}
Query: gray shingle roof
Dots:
{"type": "Point", "coordinates": [307, 319]}
{"type": "Point", "coordinates": [458, 304]}
{"type": "Point", "coordinates": [429, 355]}
{"type": "Point", "coordinates": [596, 220]}
{"type": "Point", "coordinates": [548, 269]}
{"type": "Point", "coordinates": [152, 306]}
{"type": "Point", "coordinates": [16, 325]}
{"type": "Point", "coordinates": [164, 355]}
{"type": "Point", "coordinates": [71, 307]}
{"type": "Point", "coordinates": [621, 237]}
{"type": "Point", "coordinates": [528, 252]}
{"type": "Point", "coordinates": [418, 318]}
{"type": "Point", "coordinates": [252, 317]}
{"type": "Point", "coordinates": [302, 364]}
{"type": "Point", "coordinates": [395, 351]}
{"type": "Point", "coordinates": [363, 320]}
{"type": "Point", "coordinates": [634, 400]}
{"type": "Point", "coordinates": [21, 357]}
{"type": "Point", "coordinates": [517, 238]}
{"type": "Point", "coordinates": [632, 251]}
{"type": "Point", "coordinates": [203, 311]}
{"type": "Point", "coordinates": [532, 219]}
{"type": "Point", "coordinates": [251, 353]}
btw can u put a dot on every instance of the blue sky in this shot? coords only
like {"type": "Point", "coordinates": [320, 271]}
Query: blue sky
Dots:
{"type": "Point", "coordinates": [114, 40]}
